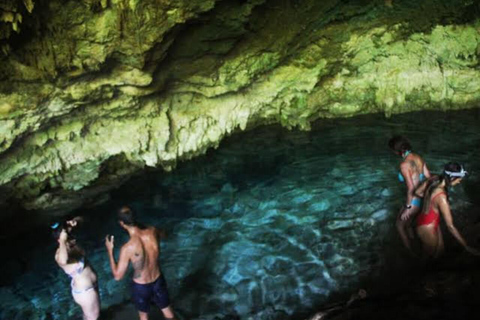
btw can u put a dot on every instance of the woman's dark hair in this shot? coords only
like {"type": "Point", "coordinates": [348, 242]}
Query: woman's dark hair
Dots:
{"type": "Point", "coordinates": [75, 253]}
{"type": "Point", "coordinates": [435, 181]}
{"type": "Point", "coordinates": [399, 144]}
{"type": "Point", "coordinates": [452, 167]}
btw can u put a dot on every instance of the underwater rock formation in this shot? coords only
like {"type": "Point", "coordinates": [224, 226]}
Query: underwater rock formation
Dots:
{"type": "Point", "coordinates": [93, 91]}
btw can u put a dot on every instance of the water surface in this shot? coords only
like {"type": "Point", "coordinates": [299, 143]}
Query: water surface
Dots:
{"type": "Point", "coordinates": [270, 225]}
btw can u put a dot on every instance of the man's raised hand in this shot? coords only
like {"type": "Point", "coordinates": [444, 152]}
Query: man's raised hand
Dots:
{"type": "Point", "coordinates": [109, 242]}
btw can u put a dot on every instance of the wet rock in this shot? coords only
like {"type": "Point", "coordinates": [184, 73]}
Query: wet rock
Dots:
{"type": "Point", "coordinates": [75, 114]}
{"type": "Point", "coordinates": [347, 190]}
{"type": "Point", "coordinates": [320, 206]}
{"type": "Point", "coordinates": [386, 192]}
{"type": "Point", "coordinates": [302, 198]}
{"type": "Point", "coordinates": [228, 188]}
{"type": "Point", "coordinates": [338, 225]}
{"type": "Point", "coordinates": [381, 215]}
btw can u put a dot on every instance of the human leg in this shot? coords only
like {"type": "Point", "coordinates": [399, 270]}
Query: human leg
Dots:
{"type": "Point", "coordinates": [409, 213]}
{"type": "Point", "coordinates": [402, 232]}
{"type": "Point", "coordinates": [143, 315]}
{"type": "Point", "coordinates": [168, 313]}
{"type": "Point", "coordinates": [410, 220]}
{"type": "Point", "coordinates": [429, 238]}
{"type": "Point", "coordinates": [89, 301]}
{"type": "Point", "coordinates": [142, 296]}
{"type": "Point", "coordinates": [404, 222]}
{"type": "Point", "coordinates": [440, 244]}
{"type": "Point", "coordinates": [162, 299]}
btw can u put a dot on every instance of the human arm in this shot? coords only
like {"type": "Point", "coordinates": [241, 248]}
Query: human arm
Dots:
{"type": "Point", "coordinates": [420, 190]}
{"type": "Point", "coordinates": [118, 269]}
{"type": "Point", "coordinates": [405, 170]}
{"type": "Point", "coordinates": [61, 256]}
{"type": "Point", "coordinates": [72, 223]}
{"type": "Point", "coordinates": [426, 172]}
{"type": "Point", "coordinates": [444, 208]}
{"type": "Point", "coordinates": [407, 209]}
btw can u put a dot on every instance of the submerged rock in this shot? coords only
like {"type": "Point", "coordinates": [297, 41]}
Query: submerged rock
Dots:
{"type": "Point", "coordinates": [381, 214]}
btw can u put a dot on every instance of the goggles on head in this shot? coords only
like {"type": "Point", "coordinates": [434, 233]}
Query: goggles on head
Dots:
{"type": "Point", "coordinates": [460, 174]}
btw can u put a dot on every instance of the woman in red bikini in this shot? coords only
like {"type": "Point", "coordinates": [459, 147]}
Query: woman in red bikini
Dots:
{"type": "Point", "coordinates": [413, 170]}
{"type": "Point", "coordinates": [435, 191]}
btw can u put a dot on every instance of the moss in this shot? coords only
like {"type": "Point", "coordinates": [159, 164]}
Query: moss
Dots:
{"type": "Point", "coordinates": [455, 45]}
{"type": "Point", "coordinates": [78, 176]}
{"type": "Point", "coordinates": [100, 89]}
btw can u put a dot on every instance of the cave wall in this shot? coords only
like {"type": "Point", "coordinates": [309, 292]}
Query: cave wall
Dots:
{"type": "Point", "coordinates": [93, 91]}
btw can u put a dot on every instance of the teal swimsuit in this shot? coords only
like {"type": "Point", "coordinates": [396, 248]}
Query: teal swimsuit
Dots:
{"type": "Point", "coordinates": [415, 201]}
{"type": "Point", "coordinates": [402, 179]}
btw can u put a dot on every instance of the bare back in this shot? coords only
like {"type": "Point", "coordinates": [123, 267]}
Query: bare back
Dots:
{"type": "Point", "coordinates": [144, 251]}
{"type": "Point", "coordinates": [416, 168]}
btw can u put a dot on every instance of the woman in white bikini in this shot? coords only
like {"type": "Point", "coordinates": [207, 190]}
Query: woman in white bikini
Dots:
{"type": "Point", "coordinates": [71, 258]}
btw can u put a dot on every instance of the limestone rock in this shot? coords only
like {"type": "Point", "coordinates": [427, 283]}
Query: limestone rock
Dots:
{"type": "Point", "coordinates": [92, 91]}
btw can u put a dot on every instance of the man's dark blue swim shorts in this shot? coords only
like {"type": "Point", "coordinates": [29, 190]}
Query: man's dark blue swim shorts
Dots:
{"type": "Point", "coordinates": [144, 294]}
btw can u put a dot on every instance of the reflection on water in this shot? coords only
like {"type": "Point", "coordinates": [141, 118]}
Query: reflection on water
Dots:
{"type": "Point", "coordinates": [268, 226]}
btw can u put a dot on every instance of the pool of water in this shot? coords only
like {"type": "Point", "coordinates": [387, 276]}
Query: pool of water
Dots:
{"type": "Point", "coordinates": [270, 225]}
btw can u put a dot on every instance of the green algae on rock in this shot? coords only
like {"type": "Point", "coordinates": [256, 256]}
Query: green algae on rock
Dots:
{"type": "Point", "coordinates": [148, 83]}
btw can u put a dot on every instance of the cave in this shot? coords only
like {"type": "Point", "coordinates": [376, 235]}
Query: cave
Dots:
{"type": "Point", "coordinates": [255, 133]}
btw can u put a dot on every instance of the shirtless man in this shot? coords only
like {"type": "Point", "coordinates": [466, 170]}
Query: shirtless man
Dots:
{"type": "Point", "coordinates": [142, 250]}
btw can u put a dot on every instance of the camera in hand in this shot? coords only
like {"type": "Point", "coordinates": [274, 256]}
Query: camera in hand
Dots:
{"type": "Point", "coordinates": [67, 225]}
{"type": "Point", "coordinates": [57, 228]}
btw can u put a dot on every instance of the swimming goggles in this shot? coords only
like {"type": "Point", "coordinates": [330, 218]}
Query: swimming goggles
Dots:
{"type": "Point", "coordinates": [460, 174]}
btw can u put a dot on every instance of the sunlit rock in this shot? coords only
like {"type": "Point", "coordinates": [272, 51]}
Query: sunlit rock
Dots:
{"type": "Point", "coordinates": [94, 91]}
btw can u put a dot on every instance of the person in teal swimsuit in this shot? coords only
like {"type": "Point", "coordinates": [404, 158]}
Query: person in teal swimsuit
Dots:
{"type": "Point", "coordinates": [413, 170]}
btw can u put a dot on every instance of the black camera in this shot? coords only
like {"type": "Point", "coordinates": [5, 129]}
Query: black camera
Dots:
{"type": "Point", "coordinates": [57, 228]}
{"type": "Point", "coordinates": [59, 225]}
{"type": "Point", "coordinates": [67, 225]}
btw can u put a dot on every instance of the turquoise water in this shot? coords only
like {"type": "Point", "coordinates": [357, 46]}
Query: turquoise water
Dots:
{"type": "Point", "coordinates": [271, 225]}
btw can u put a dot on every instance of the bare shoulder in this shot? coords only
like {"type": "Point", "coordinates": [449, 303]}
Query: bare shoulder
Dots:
{"type": "Point", "coordinates": [405, 165]}
{"type": "Point", "coordinates": [151, 229]}
{"type": "Point", "coordinates": [131, 244]}
{"type": "Point", "coordinates": [440, 196]}
{"type": "Point", "coordinates": [418, 157]}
